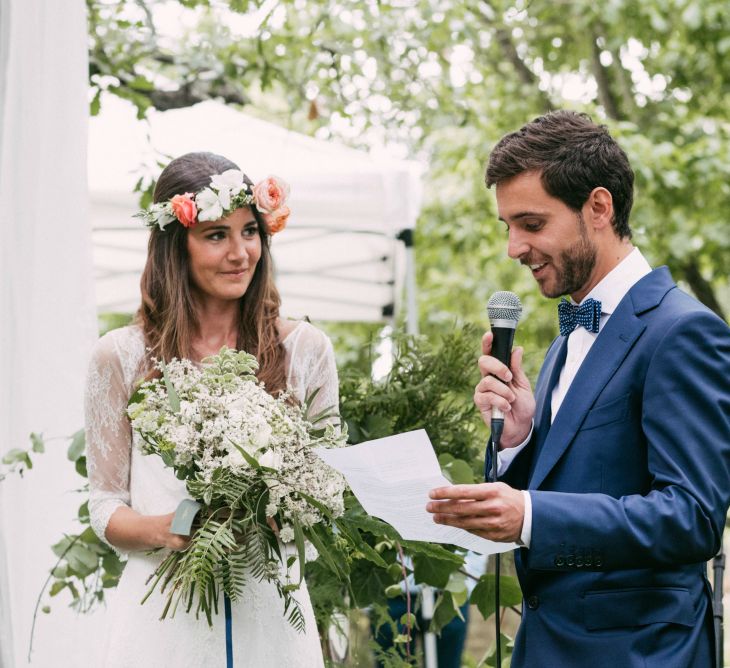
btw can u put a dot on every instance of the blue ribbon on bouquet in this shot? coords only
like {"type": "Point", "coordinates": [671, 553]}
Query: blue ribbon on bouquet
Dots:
{"type": "Point", "coordinates": [229, 632]}
{"type": "Point", "coordinates": [182, 524]}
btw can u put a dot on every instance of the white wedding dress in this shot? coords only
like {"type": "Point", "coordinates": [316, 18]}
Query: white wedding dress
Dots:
{"type": "Point", "coordinates": [119, 474]}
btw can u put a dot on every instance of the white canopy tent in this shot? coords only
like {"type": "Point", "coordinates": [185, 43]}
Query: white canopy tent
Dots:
{"type": "Point", "coordinates": [340, 257]}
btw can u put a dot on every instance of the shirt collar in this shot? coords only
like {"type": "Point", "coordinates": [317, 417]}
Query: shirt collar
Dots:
{"type": "Point", "coordinates": [617, 282]}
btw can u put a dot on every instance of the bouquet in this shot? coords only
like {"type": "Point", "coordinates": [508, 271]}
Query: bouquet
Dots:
{"type": "Point", "coordinates": [247, 458]}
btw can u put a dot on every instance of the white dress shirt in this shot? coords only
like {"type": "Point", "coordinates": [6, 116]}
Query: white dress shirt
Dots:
{"type": "Point", "coordinates": [609, 291]}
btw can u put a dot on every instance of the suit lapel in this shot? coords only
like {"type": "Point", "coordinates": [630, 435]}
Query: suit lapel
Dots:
{"type": "Point", "coordinates": [554, 361]}
{"type": "Point", "coordinates": [604, 358]}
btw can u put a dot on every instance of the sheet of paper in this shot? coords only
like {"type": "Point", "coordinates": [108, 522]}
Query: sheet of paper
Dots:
{"type": "Point", "coordinates": [392, 476]}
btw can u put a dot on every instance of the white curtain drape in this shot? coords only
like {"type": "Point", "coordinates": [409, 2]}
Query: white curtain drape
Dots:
{"type": "Point", "coordinates": [47, 314]}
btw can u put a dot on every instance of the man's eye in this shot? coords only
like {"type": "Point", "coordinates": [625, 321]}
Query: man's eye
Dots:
{"type": "Point", "coordinates": [533, 227]}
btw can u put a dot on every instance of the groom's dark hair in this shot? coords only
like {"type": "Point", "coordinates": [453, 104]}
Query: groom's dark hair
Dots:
{"type": "Point", "coordinates": [573, 156]}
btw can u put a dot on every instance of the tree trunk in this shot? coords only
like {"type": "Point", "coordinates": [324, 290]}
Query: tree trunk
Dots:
{"type": "Point", "coordinates": [701, 287]}
{"type": "Point", "coordinates": [600, 73]}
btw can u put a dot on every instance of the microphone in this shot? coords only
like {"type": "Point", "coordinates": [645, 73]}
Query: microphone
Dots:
{"type": "Point", "coordinates": [504, 310]}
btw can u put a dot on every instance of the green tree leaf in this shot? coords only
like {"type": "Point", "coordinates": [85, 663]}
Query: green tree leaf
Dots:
{"type": "Point", "coordinates": [459, 472]}
{"type": "Point", "coordinates": [37, 443]}
{"type": "Point", "coordinates": [483, 594]}
{"type": "Point", "coordinates": [78, 445]}
{"type": "Point", "coordinates": [368, 583]}
{"type": "Point", "coordinates": [434, 572]}
{"type": "Point", "coordinates": [81, 467]}
{"type": "Point", "coordinates": [444, 611]}
{"type": "Point", "coordinates": [56, 587]}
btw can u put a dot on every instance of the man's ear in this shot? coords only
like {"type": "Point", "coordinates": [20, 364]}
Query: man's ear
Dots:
{"type": "Point", "coordinates": [599, 208]}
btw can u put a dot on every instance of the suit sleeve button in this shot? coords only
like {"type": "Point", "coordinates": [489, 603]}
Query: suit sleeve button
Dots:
{"type": "Point", "coordinates": [570, 560]}
{"type": "Point", "coordinates": [559, 562]}
{"type": "Point", "coordinates": [533, 602]}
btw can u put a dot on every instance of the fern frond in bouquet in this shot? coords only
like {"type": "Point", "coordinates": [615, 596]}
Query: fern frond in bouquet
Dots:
{"type": "Point", "coordinates": [247, 458]}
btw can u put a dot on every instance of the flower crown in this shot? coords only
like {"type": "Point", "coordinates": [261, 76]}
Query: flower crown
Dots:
{"type": "Point", "coordinates": [227, 192]}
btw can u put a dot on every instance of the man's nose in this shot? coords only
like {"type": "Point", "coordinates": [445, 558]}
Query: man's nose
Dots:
{"type": "Point", "coordinates": [517, 245]}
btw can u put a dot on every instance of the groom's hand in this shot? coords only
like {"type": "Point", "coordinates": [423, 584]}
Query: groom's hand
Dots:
{"type": "Point", "coordinates": [508, 390]}
{"type": "Point", "coordinates": [491, 510]}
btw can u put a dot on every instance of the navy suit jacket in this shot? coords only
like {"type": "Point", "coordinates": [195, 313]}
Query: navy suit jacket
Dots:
{"type": "Point", "coordinates": [630, 486]}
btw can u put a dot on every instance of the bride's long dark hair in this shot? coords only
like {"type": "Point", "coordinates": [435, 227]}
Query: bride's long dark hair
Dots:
{"type": "Point", "coordinates": [167, 313]}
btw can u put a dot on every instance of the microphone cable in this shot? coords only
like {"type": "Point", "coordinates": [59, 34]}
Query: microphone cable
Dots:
{"type": "Point", "coordinates": [497, 426]}
{"type": "Point", "coordinates": [504, 310]}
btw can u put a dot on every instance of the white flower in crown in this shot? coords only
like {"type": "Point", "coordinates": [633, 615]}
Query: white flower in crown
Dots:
{"type": "Point", "coordinates": [210, 206]}
{"type": "Point", "coordinates": [227, 192]}
{"type": "Point", "coordinates": [231, 181]}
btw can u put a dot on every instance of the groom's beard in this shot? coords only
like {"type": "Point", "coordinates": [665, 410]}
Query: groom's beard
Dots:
{"type": "Point", "coordinates": [576, 264]}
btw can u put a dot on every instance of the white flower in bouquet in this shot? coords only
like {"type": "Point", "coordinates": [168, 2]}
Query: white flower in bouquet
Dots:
{"type": "Point", "coordinates": [240, 451]}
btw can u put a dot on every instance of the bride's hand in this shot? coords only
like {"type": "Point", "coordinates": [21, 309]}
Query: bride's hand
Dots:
{"type": "Point", "coordinates": [172, 541]}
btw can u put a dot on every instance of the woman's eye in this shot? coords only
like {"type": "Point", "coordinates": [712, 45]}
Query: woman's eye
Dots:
{"type": "Point", "coordinates": [250, 231]}
{"type": "Point", "coordinates": [216, 236]}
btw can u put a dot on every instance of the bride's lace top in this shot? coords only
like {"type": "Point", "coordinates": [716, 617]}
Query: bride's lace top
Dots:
{"type": "Point", "coordinates": [118, 363]}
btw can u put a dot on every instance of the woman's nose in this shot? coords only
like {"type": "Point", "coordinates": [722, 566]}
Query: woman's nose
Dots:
{"type": "Point", "coordinates": [237, 249]}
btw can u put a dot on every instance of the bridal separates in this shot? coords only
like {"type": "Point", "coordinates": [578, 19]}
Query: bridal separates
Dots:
{"type": "Point", "coordinates": [120, 475]}
{"type": "Point", "coordinates": [260, 633]}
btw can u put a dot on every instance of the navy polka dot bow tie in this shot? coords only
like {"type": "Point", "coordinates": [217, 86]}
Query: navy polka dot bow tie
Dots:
{"type": "Point", "coordinates": [588, 315]}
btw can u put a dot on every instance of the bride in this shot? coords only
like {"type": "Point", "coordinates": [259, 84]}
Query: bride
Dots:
{"type": "Point", "coordinates": [207, 283]}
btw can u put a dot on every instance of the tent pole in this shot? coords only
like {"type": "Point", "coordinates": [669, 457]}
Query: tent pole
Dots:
{"type": "Point", "coordinates": [406, 236]}
{"type": "Point", "coordinates": [427, 593]}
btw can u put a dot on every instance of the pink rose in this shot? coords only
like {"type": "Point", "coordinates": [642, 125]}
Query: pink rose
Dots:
{"type": "Point", "coordinates": [184, 209]}
{"type": "Point", "coordinates": [276, 220]}
{"type": "Point", "coordinates": [271, 194]}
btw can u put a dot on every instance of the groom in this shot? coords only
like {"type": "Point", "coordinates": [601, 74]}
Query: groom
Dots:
{"type": "Point", "coordinates": [615, 474]}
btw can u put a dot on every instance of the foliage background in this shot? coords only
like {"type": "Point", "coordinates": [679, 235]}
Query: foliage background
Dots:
{"type": "Point", "coordinates": [440, 81]}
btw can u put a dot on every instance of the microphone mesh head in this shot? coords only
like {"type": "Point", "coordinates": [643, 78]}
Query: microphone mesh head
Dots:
{"type": "Point", "coordinates": [504, 305]}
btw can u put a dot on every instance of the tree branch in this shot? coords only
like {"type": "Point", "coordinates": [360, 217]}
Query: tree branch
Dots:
{"type": "Point", "coordinates": [188, 95]}
{"type": "Point", "coordinates": [509, 51]}
{"type": "Point", "coordinates": [624, 82]}
{"type": "Point", "coordinates": [600, 74]}
{"type": "Point", "coordinates": [701, 287]}
{"type": "Point", "coordinates": [148, 16]}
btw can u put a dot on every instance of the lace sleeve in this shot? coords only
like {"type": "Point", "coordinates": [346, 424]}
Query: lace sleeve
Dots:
{"type": "Point", "coordinates": [312, 367]}
{"type": "Point", "coordinates": [108, 432]}
{"type": "Point", "coordinates": [324, 378]}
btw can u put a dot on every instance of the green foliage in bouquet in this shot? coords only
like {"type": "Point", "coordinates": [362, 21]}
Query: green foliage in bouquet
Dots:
{"type": "Point", "coordinates": [247, 458]}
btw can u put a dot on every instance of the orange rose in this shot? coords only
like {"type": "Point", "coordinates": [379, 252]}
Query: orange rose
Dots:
{"type": "Point", "coordinates": [184, 209]}
{"type": "Point", "coordinates": [276, 221]}
{"type": "Point", "coordinates": [271, 194]}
